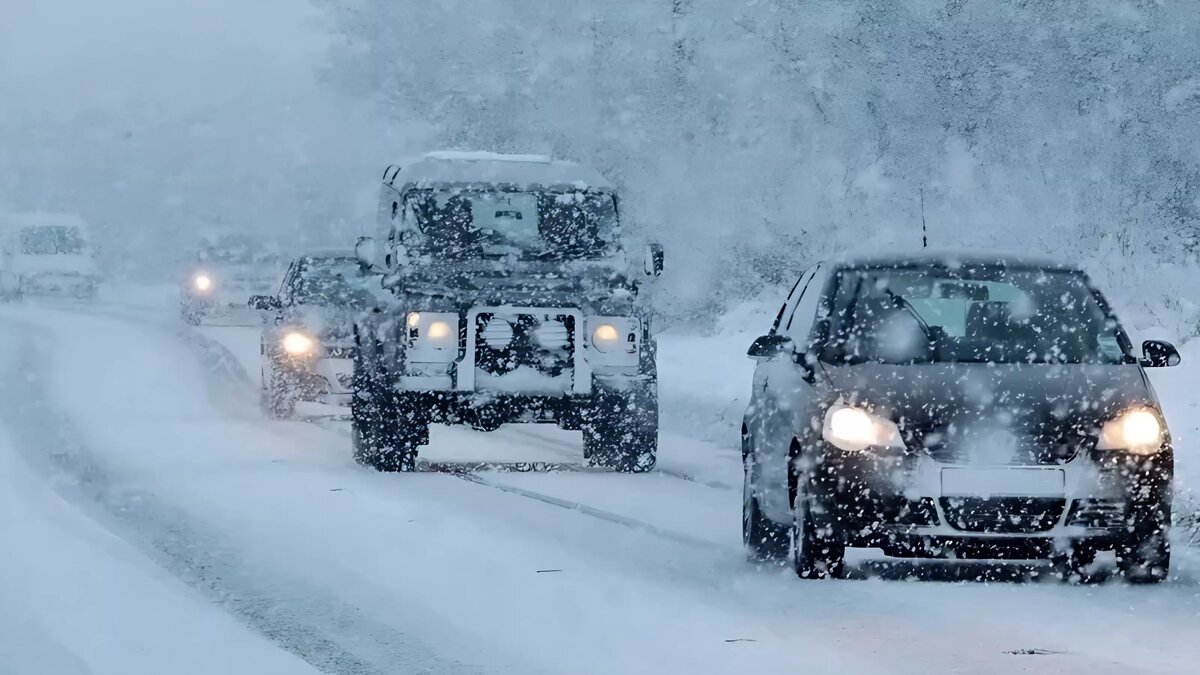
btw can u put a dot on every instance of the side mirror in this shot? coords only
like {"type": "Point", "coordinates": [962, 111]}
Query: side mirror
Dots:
{"type": "Point", "coordinates": [366, 251]}
{"type": "Point", "coordinates": [1159, 354]}
{"type": "Point", "coordinates": [654, 260]}
{"type": "Point", "coordinates": [769, 346]}
{"type": "Point", "coordinates": [265, 303]}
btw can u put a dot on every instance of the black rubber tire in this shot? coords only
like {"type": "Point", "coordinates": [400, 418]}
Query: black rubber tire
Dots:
{"type": "Point", "coordinates": [278, 394]}
{"type": "Point", "coordinates": [385, 436]}
{"type": "Point", "coordinates": [816, 553]}
{"type": "Point", "coordinates": [622, 431]}
{"type": "Point", "coordinates": [765, 540]}
{"type": "Point", "coordinates": [1074, 565]}
{"type": "Point", "coordinates": [1145, 555]}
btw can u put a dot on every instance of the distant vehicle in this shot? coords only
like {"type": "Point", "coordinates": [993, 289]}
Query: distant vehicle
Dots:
{"type": "Point", "coordinates": [955, 406]}
{"type": "Point", "coordinates": [512, 300]}
{"type": "Point", "coordinates": [308, 341]}
{"type": "Point", "coordinates": [48, 254]}
{"type": "Point", "coordinates": [225, 271]}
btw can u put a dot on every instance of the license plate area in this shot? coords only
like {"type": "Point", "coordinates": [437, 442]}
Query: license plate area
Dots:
{"type": "Point", "coordinates": [1003, 482]}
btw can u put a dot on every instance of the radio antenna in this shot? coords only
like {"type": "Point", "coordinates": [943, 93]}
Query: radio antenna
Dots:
{"type": "Point", "coordinates": [924, 235]}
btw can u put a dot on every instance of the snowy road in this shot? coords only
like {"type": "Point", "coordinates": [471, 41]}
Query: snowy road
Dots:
{"type": "Point", "coordinates": [134, 453]}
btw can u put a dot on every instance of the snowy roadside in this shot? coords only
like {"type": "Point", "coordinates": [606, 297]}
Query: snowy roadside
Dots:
{"type": "Point", "coordinates": [77, 599]}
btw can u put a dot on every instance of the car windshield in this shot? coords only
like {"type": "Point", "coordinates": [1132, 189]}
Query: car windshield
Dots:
{"type": "Point", "coordinates": [237, 250]}
{"type": "Point", "coordinates": [52, 240]}
{"type": "Point", "coordinates": [334, 281]}
{"type": "Point", "coordinates": [465, 223]}
{"type": "Point", "coordinates": [970, 315]}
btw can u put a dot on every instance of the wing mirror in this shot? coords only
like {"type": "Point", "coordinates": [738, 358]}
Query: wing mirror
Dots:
{"type": "Point", "coordinates": [1159, 354]}
{"type": "Point", "coordinates": [367, 252]}
{"type": "Point", "coordinates": [266, 303]}
{"type": "Point", "coordinates": [655, 259]}
{"type": "Point", "coordinates": [769, 346]}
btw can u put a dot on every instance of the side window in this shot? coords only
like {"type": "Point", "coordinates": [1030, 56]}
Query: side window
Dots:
{"type": "Point", "coordinates": [287, 290]}
{"type": "Point", "coordinates": [800, 322]}
{"type": "Point", "coordinates": [790, 304]}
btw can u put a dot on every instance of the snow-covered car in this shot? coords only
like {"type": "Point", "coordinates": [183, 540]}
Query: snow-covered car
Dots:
{"type": "Point", "coordinates": [225, 272]}
{"type": "Point", "coordinates": [955, 406]}
{"type": "Point", "coordinates": [308, 340]}
{"type": "Point", "coordinates": [513, 300]}
{"type": "Point", "coordinates": [48, 254]}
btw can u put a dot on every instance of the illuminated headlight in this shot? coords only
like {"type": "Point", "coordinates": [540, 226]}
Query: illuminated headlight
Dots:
{"type": "Point", "coordinates": [298, 344]}
{"type": "Point", "coordinates": [202, 283]}
{"type": "Point", "coordinates": [1139, 431]}
{"type": "Point", "coordinates": [615, 334]}
{"type": "Point", "coordinates": [854, 429]}
{"type": "Point", "coordinates": [436, 331]}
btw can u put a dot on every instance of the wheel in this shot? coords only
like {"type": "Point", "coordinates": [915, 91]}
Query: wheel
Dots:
{"type": "Point", "coordinates": [190, 316]}
{"type": "Point", "coordinates": [1074, 565]}
{"type": "Point", "coordinates": [622, 432]}
{"type": "Point", "coordinates": [1144, 557]}
{"type": "Point", "coordinates": [279, 393]}
{"type": "Point", "coordinates": [385, 432]}
{"type": "Point", "coordinates": [764, 539]}
{"type": "Point", "coordinates": [817, 553]}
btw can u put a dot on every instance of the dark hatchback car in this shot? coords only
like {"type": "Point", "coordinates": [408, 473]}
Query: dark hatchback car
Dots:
{"type": "Point", "coordinates": [959, 407]}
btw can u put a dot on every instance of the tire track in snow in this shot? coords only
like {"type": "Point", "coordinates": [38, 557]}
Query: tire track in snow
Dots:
{"type": "Point", "coordinates": [307, 621]}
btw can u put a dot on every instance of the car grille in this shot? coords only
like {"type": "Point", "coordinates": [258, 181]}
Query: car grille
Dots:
{"type": "Point", "coordinates": [544, 342]}
{"type": "Point", "coordinates": [1003, 515]}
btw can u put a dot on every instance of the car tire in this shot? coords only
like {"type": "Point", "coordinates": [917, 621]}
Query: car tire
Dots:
{"type": "Point", "coordinates": [817, 553]}
{"type": "Point", "coordinates": [278, 394]}
{"type": "Point", "coordinates": [1144, 556]}
{"type": "Point", "coordinates": [622, 431]}
{"type": "Point", "coordinates": [385, 435]}
{"type": "Point", "coordinates": [765, 540]}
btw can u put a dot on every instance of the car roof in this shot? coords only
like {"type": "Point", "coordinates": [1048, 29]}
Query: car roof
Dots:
{"type": "Point", "coordinates": [327, 253]}
{"type": "Point", "coordinates": [487, 168]}
{"type": "Point", "coordinates": [953, 259]}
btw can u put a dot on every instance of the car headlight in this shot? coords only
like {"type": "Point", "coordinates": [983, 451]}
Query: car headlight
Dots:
{"type": "Point", "coordinates": [605, 337]}
{"type": "Point", "coordinates": [854, 429]}
{"type": "Point", "coordinates": [1139, 431]}
{"type": "Point", "coordinates": [298, 344]}
{"type": "Point", "coordinates": [202, 283]}
{"type": "Point", "coordinates": [437, 331]}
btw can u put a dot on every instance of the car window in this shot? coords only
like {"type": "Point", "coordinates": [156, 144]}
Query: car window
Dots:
{"type": "Point", "coordinates": [986, 314]}
{"type": "Point", "coordinates": [800, 323]}
{"type": "Point", "coordinates": [789, 305]}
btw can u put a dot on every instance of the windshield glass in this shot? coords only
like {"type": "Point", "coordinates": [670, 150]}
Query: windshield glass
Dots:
{"type": "Point", "coordinates": [464, 223]}
{"type": "Point", "coordinates": [334, 281]}
{"type": "Point", "coordinates": [52, 240]}
{"type": "Point", "coordinates": [970, 315]}
{"type": "Point", "coordinates": [236, 250]}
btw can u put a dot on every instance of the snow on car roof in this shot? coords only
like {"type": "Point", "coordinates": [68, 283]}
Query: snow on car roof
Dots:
{"type": "Point", "coordinates": [953, 258]}
{"type": "Point", "coordinates": [328, 253]}
{"type": "Point", "coordinates": [41, 219]}
{"type": "Point", "coordinates": [521, 171]}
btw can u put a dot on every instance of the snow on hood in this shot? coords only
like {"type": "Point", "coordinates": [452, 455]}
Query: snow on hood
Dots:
{"type": "Point", "coordinates": [977, 392]}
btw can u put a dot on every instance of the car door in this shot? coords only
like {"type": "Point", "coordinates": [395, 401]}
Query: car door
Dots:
{"type": "Point", "coordinates": [790, 395]}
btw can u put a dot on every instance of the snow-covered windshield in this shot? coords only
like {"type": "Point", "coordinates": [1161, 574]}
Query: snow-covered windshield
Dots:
{"type": "Point", "coordinates": [237, 250]}
{"type": "Point", "coordinates": [334, 282]}
{"type": "Point", "coordinates": [972, 315]}
{"type": "Point", "coordinates": [462, 223]}
{"type": "Point", "coordinates": [52, 240]}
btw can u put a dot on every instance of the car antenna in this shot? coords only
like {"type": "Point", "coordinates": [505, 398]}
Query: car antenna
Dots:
{"type": "Point", "coordinates": [924, 235]}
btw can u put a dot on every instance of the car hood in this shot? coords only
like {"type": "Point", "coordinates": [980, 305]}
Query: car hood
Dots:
{"type": "Point", "coordinates": [994, 396]}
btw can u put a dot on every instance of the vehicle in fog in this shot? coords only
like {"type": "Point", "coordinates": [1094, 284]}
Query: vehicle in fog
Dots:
{"type": "Point", "coordinates": [308, 336]}
{"type": "Point", "coordinates": [47, 254]}
{"type": "Point", "coordinates": [513, 299]}
{"type": "Point", "coordinates": [224, 272]}
{"type": "Point", "coordinates": [957, 406]}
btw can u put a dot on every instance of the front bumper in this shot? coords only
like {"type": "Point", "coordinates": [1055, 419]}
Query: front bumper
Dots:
{"type": "Point", "coordinates": [325, 379]}
{"type": "Point", "coordinates": [906, 505]}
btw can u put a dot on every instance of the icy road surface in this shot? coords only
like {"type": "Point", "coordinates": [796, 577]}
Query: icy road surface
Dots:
{"type": "Point", "coordinates": [153, 521]}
